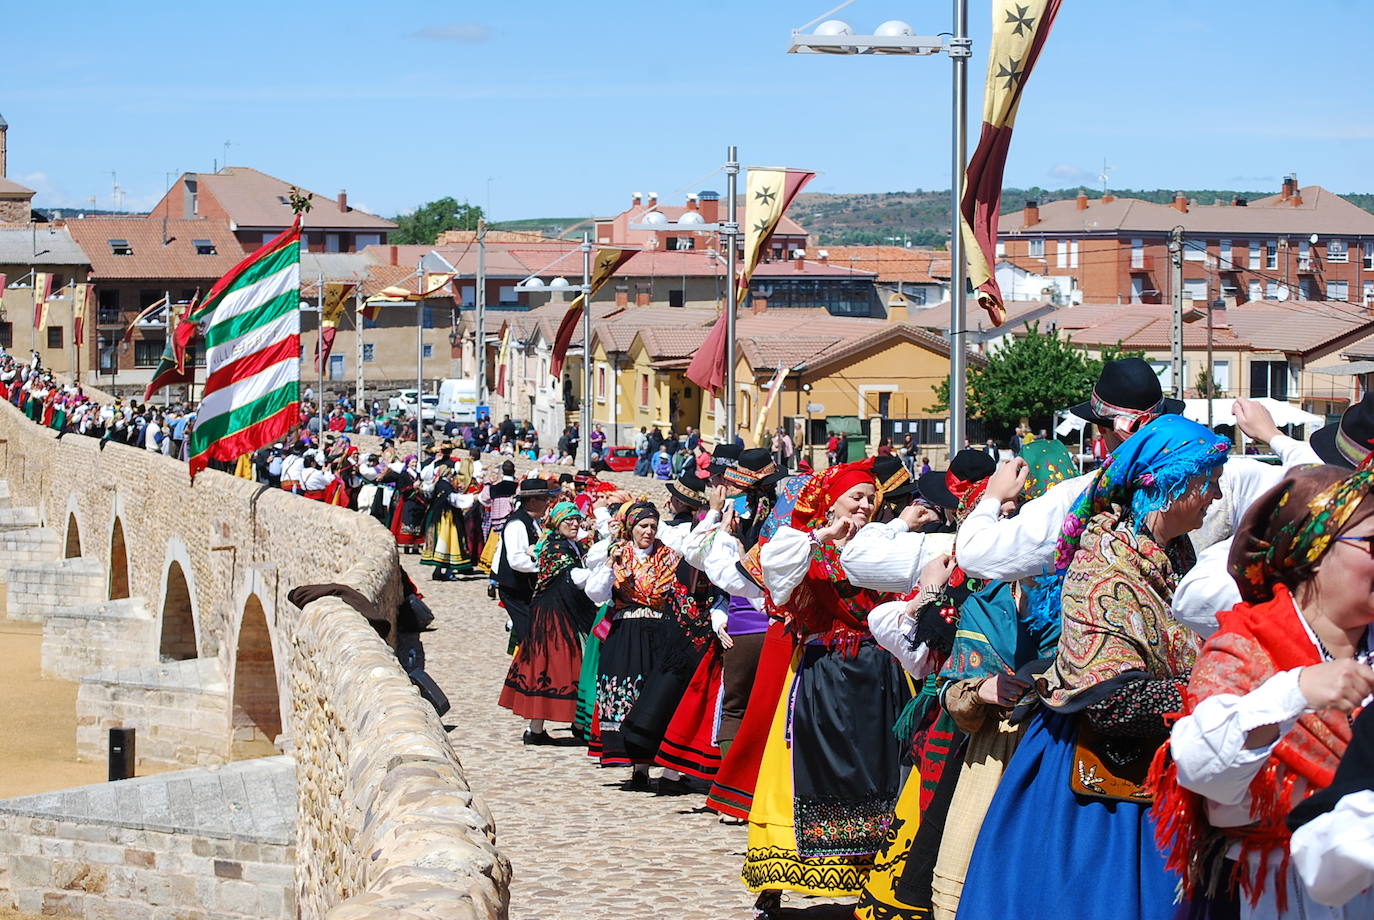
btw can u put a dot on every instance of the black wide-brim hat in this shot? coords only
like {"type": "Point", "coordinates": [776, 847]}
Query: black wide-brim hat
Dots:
{"type": "Point", "coordinates": [536, 488]}
{"type": "Point", "coordinates": [969, 465]}
{"type": "Point", "coordinates": [688, 488]}
{"type": "Point", "coordinates": [754, 469]}
{"type": "Point", "coordinates": [1129, 385]}
{"type": "Point", "coordinates": [724, 456]}
{"type": "Point", "coordinates": [893, 479]}
{"type": "Point", "coordinates": [1347, 442]}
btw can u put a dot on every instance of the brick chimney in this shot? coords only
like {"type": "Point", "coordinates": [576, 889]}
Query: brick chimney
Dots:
{"type": "Point", "coordinates": [642, 299]}
{"type": "Point", "coordinates": [393, 255]}
{"type": "Point", "coordinates": [1180, 202]}
{"type": "Point", "coordinates": [653, 199]}
{"type": "Point", "coordinates": [824, 256]}
{"type": "Point", "coordinates": [692, 204]}
{"type": "Point", "coordinates": [1296, 200]}
{"type": "Point", "coordinates": [1108, 198]}
{"type": "Point", "coordinates": [1290, 187]}
{"type": "Point", "coordinates": [622, 297]}
{"type": "Point", "coordinates": [635, 199]}
{"type": "Point", "coordinates": [343, 200]}
{"type": "Point", "coordinates": [799, 259]}
{"type": "Point", "coordinates": [1081, 202]}
{"type": "Point", "coordinates": [1031, 215]}
{"type": "Point", "coordinates": [1239, 202]}
{"type": "Point", "coordinates": [710, 206]}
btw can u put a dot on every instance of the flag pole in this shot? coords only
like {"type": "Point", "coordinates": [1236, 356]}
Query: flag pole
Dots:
{"type": "Point", "coordinates": [731, 234]}
{"type": "Point", "coordinates": [319, 350]}
{"type": "Point", "coordinates": [358, 337]}
{"type": "Point", "coordinates": [480, 326]}
{"type": "Point", "coordinates": [167, 324]}
{"type": "Point", "coordinates": [584, 439]}
{"type": "Point", "coordinates": [960, 51]}
{"type": "Point", "coordinates": [419, 352]}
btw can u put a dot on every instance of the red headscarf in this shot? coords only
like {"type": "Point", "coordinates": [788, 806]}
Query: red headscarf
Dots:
{"type": "Point", "coordinates": [823, 490]}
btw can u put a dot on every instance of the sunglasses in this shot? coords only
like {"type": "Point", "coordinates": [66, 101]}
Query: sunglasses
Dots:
{"type": "Point", "coordinates": [1368, 542]}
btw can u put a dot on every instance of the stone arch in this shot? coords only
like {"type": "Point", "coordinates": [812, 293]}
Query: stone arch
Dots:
{"type": "Point", "coordinates": [119, 562]}
{"type": "Point", "coordinates": [72, 547]}
{"type": "Point", "coordinates": [178, 632]}
{"type": "Point", "coordinates": [256, 708]}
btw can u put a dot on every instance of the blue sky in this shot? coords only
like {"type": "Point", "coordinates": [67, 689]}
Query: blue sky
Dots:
{"type": "Point", "coordinates": [404, 102]}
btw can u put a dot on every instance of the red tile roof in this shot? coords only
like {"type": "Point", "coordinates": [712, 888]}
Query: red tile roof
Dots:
{"type": "Point", "coordinates": [255, 199]}
{"type": "Point", "coordinates": [893, 263]}
{"type": "Point", "coordinates": [152, 257]}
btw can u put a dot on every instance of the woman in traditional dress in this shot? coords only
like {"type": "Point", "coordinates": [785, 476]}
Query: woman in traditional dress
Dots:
{"type": "Point", "coordinates": [830, 770]}
{"type": "Point", "coordinates": [446, 546]}
{"type": "Point", "coordinates": [1074, 786]}
{"type": "Point", "coordinates": [653, 622]}
{"type": "Point", "coordinates": [408, 504]}
{"type": "Point", "coordinates": [541, 684]}
{"type": "Point", "coordinates": [1267, 711]}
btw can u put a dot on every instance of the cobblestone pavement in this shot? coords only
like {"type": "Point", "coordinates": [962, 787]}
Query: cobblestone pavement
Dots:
{"type": "Point", "coordinates": [581, 848]}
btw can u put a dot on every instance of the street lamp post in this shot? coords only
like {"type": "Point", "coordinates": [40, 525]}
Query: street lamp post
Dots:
{"type": "Point", "coordinates": [896, 37]}
{"type": "Point", "coordinates": [729, 232]}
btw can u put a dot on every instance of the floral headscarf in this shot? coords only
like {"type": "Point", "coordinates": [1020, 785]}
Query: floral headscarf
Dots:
{"type": "Point", "coordinates": [1289, 529]}
{"type": "Point", "coordinates": [1048, 464]}
{"type": "Point", "coordinates": [555, 554]}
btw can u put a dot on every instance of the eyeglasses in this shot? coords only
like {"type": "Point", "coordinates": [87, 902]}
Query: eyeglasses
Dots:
{"type": "Point", "coordinates": [1368, 542]}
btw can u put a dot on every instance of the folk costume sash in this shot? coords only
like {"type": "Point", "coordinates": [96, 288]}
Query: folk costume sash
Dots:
{"type": "Point", "coordinates": [1254, 642]}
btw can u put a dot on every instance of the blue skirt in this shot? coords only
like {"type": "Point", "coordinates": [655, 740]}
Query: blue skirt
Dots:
{"type": "Point", "coordinates": [1045, 851]}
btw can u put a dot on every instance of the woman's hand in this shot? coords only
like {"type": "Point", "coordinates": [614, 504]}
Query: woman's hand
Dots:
{"type": "Point", "coordinates": [726, 640]}
{"type": "Point", "coordinates": [729, 521]}
{"type": "Point", "coordinates": [937, 572]}
{"type": "Point", "coordinates": [1006, 484]}
{"type": "Point", "coordinates": [1341, 685]}
{"type": "Point", "coordinates": [837, 531]}
{"type": "Point", "coordinates": [715, 497]}
{"type": "Point", "coordinates": [917, 515]}
{"type": "Point", "coordinates": [1002, 690]}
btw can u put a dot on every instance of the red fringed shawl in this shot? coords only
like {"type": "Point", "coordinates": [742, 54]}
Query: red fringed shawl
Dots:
{"type": "Point", "coordinates": [1254, 642]}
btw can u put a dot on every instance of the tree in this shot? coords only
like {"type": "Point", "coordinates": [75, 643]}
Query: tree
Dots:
{"type": "Point", "coordinates": [1030, 377]}
{"type": "Point", "coordinates": [425, 223]}
{"type": "Point", "coordinates": [1207, 386]}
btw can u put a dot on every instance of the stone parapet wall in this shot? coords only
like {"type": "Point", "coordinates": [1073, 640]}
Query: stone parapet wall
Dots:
{"type": "Point", "coordinates": [80, 869]}
{"type": "Point", "coordinates": [385, 819]}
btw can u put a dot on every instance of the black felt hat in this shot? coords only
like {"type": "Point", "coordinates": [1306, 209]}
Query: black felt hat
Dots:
{"type": "Point", "coordinates": [724, 457]}
{"type": "Point", "coordinates": [1128, 386]}
{"type": "Point", "coordinates": [503, 489]}
{"type": "Point", "coordinates": [754, 469]}
{"type": "Point", "coordinates": [689, 488]}
{"type": "Point", "coordinates": [969, 465]}
{"type": "Point", "coordinates": [1347, 442]}
{"type": "Point", "coordinates": [536, 488]}
{"type": "Point", "coordinates": [893, 478]}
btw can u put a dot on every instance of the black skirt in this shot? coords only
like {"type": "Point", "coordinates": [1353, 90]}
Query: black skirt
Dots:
{"type": "Point", "coordinates": [632, 665]}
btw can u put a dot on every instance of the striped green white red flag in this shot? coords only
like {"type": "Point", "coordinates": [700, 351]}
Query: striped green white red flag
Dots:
{"type": "Point", "coordinates": [251, 322]}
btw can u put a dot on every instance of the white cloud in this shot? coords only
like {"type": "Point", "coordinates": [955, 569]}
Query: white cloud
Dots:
{"type": "Point", "coordinates": [1070, 173]}
{"type": "Point", "coordinates": [465, 33]}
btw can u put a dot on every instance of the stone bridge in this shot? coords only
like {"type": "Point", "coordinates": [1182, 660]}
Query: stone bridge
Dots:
{"type": "Point", "coordinates": [168, 603]}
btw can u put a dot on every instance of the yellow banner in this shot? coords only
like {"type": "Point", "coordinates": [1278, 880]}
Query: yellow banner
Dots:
{"type": "Point", "coordinates": [336, 297]}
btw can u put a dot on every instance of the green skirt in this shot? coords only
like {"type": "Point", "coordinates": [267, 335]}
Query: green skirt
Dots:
{"type": "Point", "coordinates": [591, 666]}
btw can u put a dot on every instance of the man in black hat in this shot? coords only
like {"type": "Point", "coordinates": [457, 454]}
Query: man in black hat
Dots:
{"type": "Point", "coordinates": [516, 568]}
{"type": "Point", "coordinates": [1126, 397]}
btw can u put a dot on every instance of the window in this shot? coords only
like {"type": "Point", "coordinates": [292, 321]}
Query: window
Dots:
{"type": "Point", "coordinates": [600, 384]}
{"type": "Point", "coordinates": [1037, 249]}
{"type": "Point", "coordinates": [1061, 254]}
{"type": "Point", "coordinates": [147, 352]}
{"type": "Point", "coordinates": [109, 354]}
{"type": "Point", "coordinates": [1164, 370]}
{"type": "Point", "coordinates": [1073, 254]}
{"type": "Point", "coordinates": [885, 404]}
{"type": "Point", "coordinates": [427, 351]}
{"type": "Point", "coordinates": [1001, 249]}
{"type": "Point", "coordinates": [1337, 251]}
{"type": "Point", "coordinates": [1304, 255]}
{"type": "Point", "coordinates": [1369, 255]}
{"type": "Point", "coordinates": [1275, 290]}
{"type": "Point", "coordinates": [1368, 294]}
{"type": "Point", "coordinates": [1269, 378]}
{"type": "Point", "coordinates": [1137, 289]}
{"type": "Point", "coordinates": [366, 239]}
{"type": "Point", "coordinates": [1195, 250]}
{"type": "Point", "coordinates": [6, 335]}
{"type": "Point", "coordinates": [1271, 254]}
{"type": "Point", "coordinates": [429, 316]}
{"type": "Point", "coordinates": [507, 294]}
{"type": "Point", "coordinates": [675, 298]}
{"type": "Point", "coordinates": [1137, 253]}
{"type": "Point", "coordinates": [336, 367]}
{"type": "Point", "coordinates": [1256, 291]}
{"type": "Point", "coordinates": [121, 248]}
{"type": "Point", "coordinates": [1224, 255]}
{"type": "Point", "coordinates": [644, 391]}
{"type": "Point", "coordinates": [204, 247]}
{"type": "Point", "coordinates": [1195, 288]}
{"type": "Point", "coordinates": [682, 243]}
{"type": "Point", "coordinates": [107, 300]}
{"type": "Point", "coordinates": [331, 242]}
{"type": "Point", "coordinates": [1306, 289]}
{"type": "Point", "coordinates": [1338, 290]}
{"type": "Point", "coordinates": [54, 336]}
{"type": "Point", "coordinates": [369, 352]}
{"type": "Point", "coordinates": [1221, 376]}
{"type": "Point", "coordinates": [1254, 254]}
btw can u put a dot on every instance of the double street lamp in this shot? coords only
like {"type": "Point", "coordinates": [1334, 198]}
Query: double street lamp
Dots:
{"type": "Point", "coordinates": [896, 37]}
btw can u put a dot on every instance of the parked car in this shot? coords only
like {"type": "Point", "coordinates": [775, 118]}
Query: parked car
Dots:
{"type": "Point", "coordinates": [621, 459]}
{"type": "Point", "coordinates": [405, 403]}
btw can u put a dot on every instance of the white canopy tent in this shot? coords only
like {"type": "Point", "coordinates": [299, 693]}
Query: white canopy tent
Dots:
{"type": "Point", "coordinates": [1285, 414]}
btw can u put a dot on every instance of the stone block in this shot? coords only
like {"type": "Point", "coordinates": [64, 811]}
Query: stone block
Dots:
{"type": "Point", "coordinates": [62, 904]}
{"type": "Point", "coordinates": [145, 859]}
{"type": "Point", "coordinates": [30, 872]}
{"type": "Point", "coordinates": [91, 878]}
{"type": "Point", "coordinates": [227, 868]}
{"type": "Point", "coordinates": [238, 898]}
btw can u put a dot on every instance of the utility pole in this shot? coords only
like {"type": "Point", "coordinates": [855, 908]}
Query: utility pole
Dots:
{"type": "Point", "coordinates": [419, 351]}
{"type": "Point", "coordinates": [584, 438]}
{"type": "Point", "coordinates": [1176, 272]}
{"type": "Point", "coordinates": [960, 50]}
{"type": "Point", "coordinates": [479, 341]}
{"type": "Point", "coordinates": [358, 336]}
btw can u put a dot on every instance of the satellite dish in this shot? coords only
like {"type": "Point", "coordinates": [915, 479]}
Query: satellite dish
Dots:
{"type": "Point", "coordinates": [1313, 239]}
{"type": "Point", "coordinates": [1283, 292]}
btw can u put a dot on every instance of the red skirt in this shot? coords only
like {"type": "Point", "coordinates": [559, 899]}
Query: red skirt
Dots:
{"type": "Point", "coordinates": [689, 744]}
{"type": "Point", "coordinates": [733, 791]}
{"type": "Point", "coordinates": [541, 682]}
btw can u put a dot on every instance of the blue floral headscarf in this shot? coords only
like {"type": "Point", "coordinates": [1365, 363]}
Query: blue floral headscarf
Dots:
{"type": "Point", "coordinates": [1146, 473]}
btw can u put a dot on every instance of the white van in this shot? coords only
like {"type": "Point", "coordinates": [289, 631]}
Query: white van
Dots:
{"type": "Point", "coordinates": [457, 400]}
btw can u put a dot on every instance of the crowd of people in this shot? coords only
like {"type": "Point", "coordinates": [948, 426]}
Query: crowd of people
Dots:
{"type": "Point", "coordinates": [993, 689]}
{"type": "Point", "coordinates": [1138, 692]}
